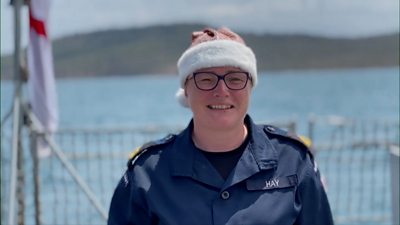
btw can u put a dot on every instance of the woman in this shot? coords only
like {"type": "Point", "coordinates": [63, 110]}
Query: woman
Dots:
{"type": "Point", "coordinates": [223, 168]}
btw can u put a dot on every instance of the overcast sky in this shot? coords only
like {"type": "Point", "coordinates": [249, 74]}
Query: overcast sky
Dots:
{"type": "Point", "coordinates": [337, 18]}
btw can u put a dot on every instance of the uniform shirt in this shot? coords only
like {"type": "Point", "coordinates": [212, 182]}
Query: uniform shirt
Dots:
{"type": "Point", "coordinates": [224, 162]}
{"type": "Point", "coordinates": [170, 182]}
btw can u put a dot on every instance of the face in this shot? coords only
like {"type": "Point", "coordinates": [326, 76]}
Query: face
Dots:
{"type": "Point", "coordinates": [220, 108]}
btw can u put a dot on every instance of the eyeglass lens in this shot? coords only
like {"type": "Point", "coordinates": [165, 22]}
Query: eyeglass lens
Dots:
{"type": "Point", "coordinates": [209, 80]}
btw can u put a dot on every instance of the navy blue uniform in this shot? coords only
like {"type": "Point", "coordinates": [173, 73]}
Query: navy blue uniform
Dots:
{"type": "Point", "coordinates": [170, 182]}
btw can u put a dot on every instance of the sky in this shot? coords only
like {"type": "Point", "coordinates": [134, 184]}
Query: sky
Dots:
{"type": "Point", "coordinates": [330, 18]}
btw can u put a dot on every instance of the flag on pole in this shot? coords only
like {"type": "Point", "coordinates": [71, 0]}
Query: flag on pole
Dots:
{"type": "Point", "coordinates": [41, 81]}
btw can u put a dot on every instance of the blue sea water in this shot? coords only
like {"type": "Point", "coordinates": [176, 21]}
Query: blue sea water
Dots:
{"type": "Point", "coordinates": [148, 100]}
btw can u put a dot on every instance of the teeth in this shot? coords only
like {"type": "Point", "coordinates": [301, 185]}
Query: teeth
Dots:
{"type": "Point", "coordinates": [220, 106]}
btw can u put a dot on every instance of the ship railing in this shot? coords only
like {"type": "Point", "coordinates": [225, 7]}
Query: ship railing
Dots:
{"type": "Point", "coordinates": [74, 185]}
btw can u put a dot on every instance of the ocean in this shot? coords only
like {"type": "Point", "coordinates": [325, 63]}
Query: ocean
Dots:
{"type": "Point", "coordinates": [130, 101]}
{"type": "Point", "coordinates": [150, 99]}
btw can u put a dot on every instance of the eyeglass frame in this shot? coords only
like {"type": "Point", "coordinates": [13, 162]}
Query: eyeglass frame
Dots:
{"type": "Point", "coordinates": [221, 77]}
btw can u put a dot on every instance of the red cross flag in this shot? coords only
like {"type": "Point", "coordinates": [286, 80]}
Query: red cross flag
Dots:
{"type": "Point", "coordinates": [41, 81]}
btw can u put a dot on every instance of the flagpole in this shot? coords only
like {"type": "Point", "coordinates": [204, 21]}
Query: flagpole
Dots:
{"type": "Point", "coordinates": [17, 113]}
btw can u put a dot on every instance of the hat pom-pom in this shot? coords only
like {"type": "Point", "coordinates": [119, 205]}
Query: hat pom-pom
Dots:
{"type": "Point", "coordinates": [182, 99]}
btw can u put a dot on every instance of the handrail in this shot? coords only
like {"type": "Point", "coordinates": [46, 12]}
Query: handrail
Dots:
{"type": "Point", "coordinates": [72, 171]}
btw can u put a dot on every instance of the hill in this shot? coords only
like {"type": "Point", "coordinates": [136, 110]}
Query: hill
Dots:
{"type": "Point", "coordinates": [156, 49]}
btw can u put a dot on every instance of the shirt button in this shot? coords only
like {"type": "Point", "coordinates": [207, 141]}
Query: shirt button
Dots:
{"type": "Point", "coordinates": [225, 195]}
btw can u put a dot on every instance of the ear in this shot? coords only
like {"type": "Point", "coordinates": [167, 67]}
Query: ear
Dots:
{"type": "Point", "coordinates": [185, 89]}
{"type": "Point", "coordinates": [187, 98]}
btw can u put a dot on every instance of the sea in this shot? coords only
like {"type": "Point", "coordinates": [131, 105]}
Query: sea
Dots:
{"type": "Point", "coordinates": [139, 100]}
{"type": "Point", "coordinates": [149, 100]}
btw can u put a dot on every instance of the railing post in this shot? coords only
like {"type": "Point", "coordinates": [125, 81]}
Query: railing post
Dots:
{"type": "Point", "coordinates": [20, 184]}
{"type": "Point", "coordinates": [394, 171]}
{"type": "Point", "coordinates": [36, 175]}
{"type": "Point", "coordinates": [311, 124]}
{"type": "Point", "coordinates": [292, 127]}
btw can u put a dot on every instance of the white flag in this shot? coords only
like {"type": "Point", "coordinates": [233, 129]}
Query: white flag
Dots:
{"type": "Point", "coordinates": [41, 81]}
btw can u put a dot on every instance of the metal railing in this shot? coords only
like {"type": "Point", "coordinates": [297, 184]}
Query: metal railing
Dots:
{"type": "Point", "coordinates": [395, 168]}
{"type": "Point", "coordinates": [354, 158]}
{"type": "Point", "coordinates": [352, 155]}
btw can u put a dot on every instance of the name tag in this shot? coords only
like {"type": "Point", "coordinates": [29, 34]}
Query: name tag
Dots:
{"type": "Point", "coordinates": [274, 183]}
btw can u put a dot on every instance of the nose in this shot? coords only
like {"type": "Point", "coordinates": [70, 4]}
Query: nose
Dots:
{"type": "Point", "coordinates": [221, 90]}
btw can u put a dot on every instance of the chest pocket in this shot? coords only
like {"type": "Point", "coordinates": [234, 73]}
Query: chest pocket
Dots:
{"type": "Point", "coordinates": [273, 183]}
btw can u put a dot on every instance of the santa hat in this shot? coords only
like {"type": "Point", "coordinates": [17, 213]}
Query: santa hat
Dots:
{"type": "Point", "coordinates": [215, 48]}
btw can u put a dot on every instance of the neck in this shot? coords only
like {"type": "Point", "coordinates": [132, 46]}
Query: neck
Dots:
{"type": "Point", "coordinates": [219, 140]}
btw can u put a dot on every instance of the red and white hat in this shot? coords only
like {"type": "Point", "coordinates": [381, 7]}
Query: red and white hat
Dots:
{"type": "Point", "coordinates": [215, 48]}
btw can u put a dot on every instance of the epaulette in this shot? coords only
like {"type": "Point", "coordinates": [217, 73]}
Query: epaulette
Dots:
{"type": "Point", "coordinates": [269, 129]}
{"type": "Point", "coordinates": [305, 142]}
{"type": "Point", "coordinates": [149, 145]}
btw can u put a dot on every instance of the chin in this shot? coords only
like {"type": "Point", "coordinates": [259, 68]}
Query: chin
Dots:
{"type": "Point", "coordinates": [224, 121]}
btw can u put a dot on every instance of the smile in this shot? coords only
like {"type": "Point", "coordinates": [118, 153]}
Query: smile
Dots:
{"type": "Point", "coordinates": [220, 107]}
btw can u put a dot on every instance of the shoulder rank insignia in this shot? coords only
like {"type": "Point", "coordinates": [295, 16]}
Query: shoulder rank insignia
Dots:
{"type": "Point", "coordinates": [140, 150]}
{"type": "Point", "coordinates": [303, 140]}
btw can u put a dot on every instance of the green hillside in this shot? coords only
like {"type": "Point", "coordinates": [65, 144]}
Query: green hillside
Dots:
{"type": "Point", "coordinates": [155, 50]}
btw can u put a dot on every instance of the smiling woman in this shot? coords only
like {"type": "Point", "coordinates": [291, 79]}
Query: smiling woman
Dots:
{"type": "Point", "coordinates": [229, 170]}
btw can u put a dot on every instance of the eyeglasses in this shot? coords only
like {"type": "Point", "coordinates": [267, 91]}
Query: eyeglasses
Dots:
{"type": "Point", "coordinates": [208, 81]}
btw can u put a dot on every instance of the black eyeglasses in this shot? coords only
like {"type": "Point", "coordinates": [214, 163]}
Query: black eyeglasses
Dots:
{"type": "Point", "coordinates": [208, 81]}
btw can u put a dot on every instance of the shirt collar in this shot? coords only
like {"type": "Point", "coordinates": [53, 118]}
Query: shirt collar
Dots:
{"type": "Point", "coordinates": [187, 161]}
{"type": "Point", "coordinates": [260, 146]}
